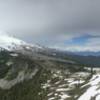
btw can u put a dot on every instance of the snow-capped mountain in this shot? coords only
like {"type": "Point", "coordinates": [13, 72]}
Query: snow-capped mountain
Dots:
{"type": "Point", "coordinates": [10, 43]}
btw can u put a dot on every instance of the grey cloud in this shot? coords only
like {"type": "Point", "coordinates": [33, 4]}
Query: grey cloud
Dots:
{"type": "Point", "coordinates": [50, 16]}
{"type": "Point", "coordinates": [50, 21]}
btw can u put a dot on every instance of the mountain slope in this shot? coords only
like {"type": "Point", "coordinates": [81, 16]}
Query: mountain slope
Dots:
{"type": "Point", "coordinates": [10, 43]}
{"type": "Point", "coordinates": [33, 72]}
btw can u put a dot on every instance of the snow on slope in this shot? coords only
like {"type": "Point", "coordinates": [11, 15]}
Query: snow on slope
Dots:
{"type": "Point", "coordinates": [9, 42]}
{"type": "Point", "coordinates": [6, 41]}
{"type": "Point", "coordinates": [93, 92]}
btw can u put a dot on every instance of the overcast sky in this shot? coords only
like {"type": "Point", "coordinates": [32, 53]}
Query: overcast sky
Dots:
{"type": "Point", "coordinates": [64, 24]}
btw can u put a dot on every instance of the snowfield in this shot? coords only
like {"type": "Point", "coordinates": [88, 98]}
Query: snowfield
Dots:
{"type": "Point", "coordinates": [76, 86]}
{"type": "Point", "coordinates": [93, 92]}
